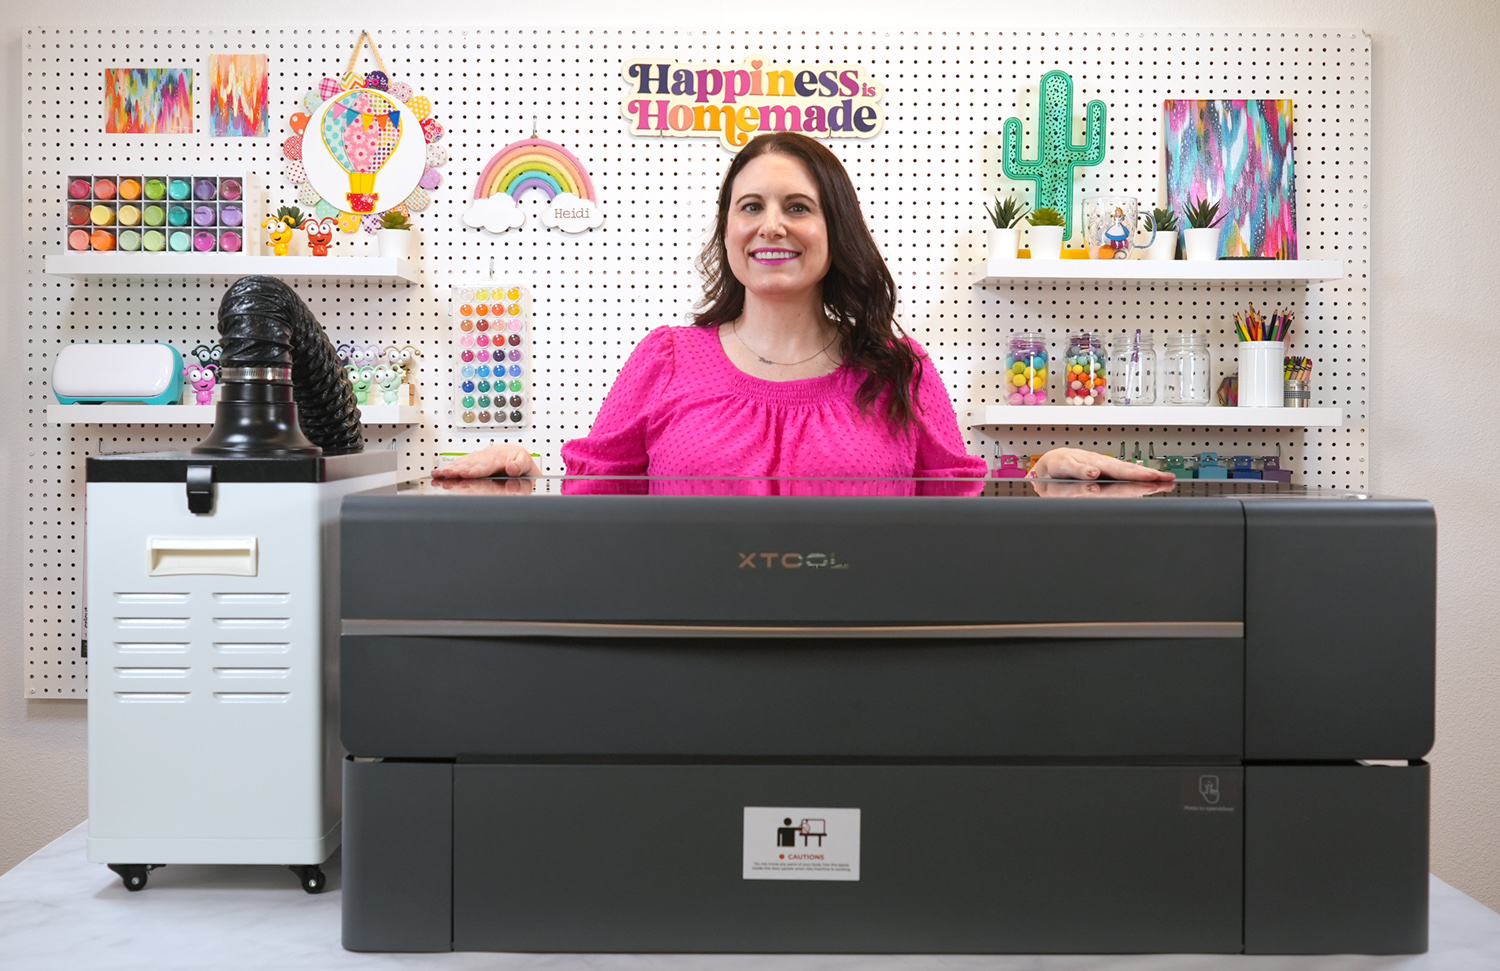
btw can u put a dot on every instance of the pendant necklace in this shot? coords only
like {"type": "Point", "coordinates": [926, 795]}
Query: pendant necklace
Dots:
{"type": "Point", "coordinates": [735, 330]}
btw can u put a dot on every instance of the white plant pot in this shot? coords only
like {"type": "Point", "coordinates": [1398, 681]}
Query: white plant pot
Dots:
{"type": "Point", "coordinates": [393, 242]}
{"type": "Point", "coordinates": [1004, 243]}
{"type": "Point", "coordinates": [1163, 248]}
{"type": "Point", "coordinates": [1201, 244]}
{"type": "Point", "coordinates": [1046, 242]}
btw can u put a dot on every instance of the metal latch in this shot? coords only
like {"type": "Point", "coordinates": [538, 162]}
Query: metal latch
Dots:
{"type": "Point", "coordinates": [200, 489]}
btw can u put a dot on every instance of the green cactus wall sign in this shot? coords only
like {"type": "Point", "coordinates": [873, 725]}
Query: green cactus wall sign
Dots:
{"type": "Point", "coordinates": [1056, 155]}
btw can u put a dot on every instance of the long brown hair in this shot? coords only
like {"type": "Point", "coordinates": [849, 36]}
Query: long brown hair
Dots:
{"type": "Point", "coordinates": [859, 295]}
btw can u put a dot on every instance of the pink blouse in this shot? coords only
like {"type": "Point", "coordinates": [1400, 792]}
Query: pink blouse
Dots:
{"type": "Point", "coordinates": [681, 408]}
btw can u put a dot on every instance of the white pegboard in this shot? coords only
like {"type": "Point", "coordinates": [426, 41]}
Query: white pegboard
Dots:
{"type": "Point", "coordinates": [921, 181]}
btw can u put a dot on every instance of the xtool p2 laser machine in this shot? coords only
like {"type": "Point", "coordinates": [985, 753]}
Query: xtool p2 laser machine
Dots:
{"type": "Point", "coordinates": [213, 612]}
{"type": "Point", "coordinates": [795, 717]}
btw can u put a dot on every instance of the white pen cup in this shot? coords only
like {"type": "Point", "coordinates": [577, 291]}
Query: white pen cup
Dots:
{"type": "Point", "coordinates": [1262, 373]}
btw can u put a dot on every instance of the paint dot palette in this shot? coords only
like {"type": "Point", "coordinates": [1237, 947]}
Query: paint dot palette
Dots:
{"type": "Point", "coordinates": [155, 213]}
{"type": "Point", "coordinates": [492, 372]}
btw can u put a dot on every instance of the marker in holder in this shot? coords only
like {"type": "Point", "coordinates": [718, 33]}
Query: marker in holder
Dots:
{"type": "Point", "coordinates": [1262, 350]}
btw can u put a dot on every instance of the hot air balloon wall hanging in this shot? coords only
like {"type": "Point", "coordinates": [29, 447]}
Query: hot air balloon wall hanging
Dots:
{"type": "Point", "coordinates": [534, 168]}
{"type": "Point", "coordinates": [363, 146]}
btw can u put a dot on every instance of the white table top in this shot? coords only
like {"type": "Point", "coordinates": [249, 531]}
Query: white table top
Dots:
{"type": "Point", "coordinates": [58, 912]}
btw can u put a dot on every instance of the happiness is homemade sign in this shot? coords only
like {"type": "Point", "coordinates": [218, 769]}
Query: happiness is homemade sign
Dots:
{"type": "Point", "coordinates": [734, 102]}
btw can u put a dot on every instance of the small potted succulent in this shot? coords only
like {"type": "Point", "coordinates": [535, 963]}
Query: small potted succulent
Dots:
{"type": "Point", "coordinates": [1201, 238]}
{"type": "Point", "coordinates": [1162, 224]}
{"type": "Point", "coordinates": [1004, 237]}
{"type": "Point", "coordinates": [1046, 233]}
{"type": "Point", "coordinates": [393, 238]}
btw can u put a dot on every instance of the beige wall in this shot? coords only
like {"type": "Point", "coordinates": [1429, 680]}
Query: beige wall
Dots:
{"type": "Point", "coordinates": [1434, 305]}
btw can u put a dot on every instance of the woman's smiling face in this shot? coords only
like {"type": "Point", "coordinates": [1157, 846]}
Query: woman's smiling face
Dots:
{"type": "Point", "coordinates": [777, 237]}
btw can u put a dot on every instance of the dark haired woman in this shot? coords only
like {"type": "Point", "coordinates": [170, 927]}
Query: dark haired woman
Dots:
{"type": "Point", "coordinates": [794, 365]}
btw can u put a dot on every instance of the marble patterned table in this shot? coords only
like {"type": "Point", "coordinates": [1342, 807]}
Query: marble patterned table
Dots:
{"type": "Point", "coordinates": [59, 912]}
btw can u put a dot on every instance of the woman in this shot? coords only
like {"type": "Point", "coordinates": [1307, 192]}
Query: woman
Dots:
{"type": "Point", "coordinates": [794, 365]}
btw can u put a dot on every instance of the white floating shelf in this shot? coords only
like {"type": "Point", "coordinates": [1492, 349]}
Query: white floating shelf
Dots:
{"type": "Point", "coordinates": [1166, 271]}
{"type": "Point", "coordinates": [199, 414]}
{"type": "Point", "coordinates": [388, 269]}
{"type": "Point", "coordinates": [1076, 416]}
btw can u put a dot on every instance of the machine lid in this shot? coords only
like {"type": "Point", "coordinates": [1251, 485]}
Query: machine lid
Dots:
{"type": "Point", "coordinates": [578, 485]}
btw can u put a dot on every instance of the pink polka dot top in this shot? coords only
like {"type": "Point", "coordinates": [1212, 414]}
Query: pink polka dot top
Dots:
{"type": "Point", "coordinates": [681, 408]}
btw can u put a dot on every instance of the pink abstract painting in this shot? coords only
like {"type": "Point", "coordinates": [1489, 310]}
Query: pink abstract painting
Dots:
{"type": "Point", "coordinates": [1237, 153]}
{"type": "Point", "coordinates": [148, 101]}
{"type": "Point", "coordinates": [239, 93]}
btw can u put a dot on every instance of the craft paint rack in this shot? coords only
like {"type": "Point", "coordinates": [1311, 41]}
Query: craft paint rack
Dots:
{"type": "Point", "coordinates": [922, 182]}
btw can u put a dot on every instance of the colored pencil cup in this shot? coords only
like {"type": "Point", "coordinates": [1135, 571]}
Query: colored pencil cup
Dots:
{"type": "Point", "coordinates": [1261, 373]}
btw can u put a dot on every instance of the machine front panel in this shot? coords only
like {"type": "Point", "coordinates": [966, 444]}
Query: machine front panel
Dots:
{"type": "Point", "coordinates": [959, 859]}
{"type": "Point", "coordinates": [466, 697]}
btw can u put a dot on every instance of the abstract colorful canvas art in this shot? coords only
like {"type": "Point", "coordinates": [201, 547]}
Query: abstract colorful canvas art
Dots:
{"type": "Point", "coordinates": [148, 101]}
{"type": "Point", "coordinates": [1237, 153]}
{"type": "Point", "coordinates": [239, 93]}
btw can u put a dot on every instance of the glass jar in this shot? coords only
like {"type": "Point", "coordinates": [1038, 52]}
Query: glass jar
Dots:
{"type": "Point", "coordinates": [1133, 364]}
{"type": "Point", "coordinates": [1186, 375]}
{"type": "Point", "coordinates": [1026, 369]}
{"type": "Point", "coordinates": [1084, 379]}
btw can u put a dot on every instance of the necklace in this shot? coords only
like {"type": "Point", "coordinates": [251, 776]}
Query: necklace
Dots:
{"type": "Point", "coordinates": [735, 330]}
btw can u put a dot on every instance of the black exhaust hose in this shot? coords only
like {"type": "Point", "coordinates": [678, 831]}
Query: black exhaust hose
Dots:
{"type": "Point", "coordinates": [265, 327]}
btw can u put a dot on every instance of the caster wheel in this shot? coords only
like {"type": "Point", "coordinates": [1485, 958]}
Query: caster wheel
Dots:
{"type": "Point", "coordinates": [312, 878]}
{"type": "Point", "coordinates": [133, 875]}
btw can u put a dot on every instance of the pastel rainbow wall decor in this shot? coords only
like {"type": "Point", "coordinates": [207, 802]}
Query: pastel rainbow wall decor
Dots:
{"type": "Point", "coordinates": [572, 204]}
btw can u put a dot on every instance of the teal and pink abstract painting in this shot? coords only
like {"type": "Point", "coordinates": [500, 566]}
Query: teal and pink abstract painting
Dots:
{"type": "Point", "coordinates": [148, 101]}
{"type": "Point", "coordinates": [239, 89]}
{"type": "Point", "coordinates": [1237, 153]}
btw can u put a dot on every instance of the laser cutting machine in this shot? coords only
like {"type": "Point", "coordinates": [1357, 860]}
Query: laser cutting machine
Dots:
{"type": "Point", "coordinates": [840, 722]}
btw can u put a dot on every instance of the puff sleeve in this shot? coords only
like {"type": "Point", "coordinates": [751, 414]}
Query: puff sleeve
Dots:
{"type": "Point", "coordinates": [940, 448]}
{"type": "Point", "coordinates": [616, 444]}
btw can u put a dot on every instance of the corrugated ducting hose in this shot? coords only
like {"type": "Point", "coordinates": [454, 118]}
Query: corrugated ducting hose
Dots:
{"type": "Point", "coordinates": [265, 328]}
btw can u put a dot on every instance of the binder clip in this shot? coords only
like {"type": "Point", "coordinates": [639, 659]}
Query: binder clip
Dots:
{"type": "Point", "coordinates": [1010, 467]}
{"type": "Point", "coordinates": [1243, 467]}
{"type": "Point", "coordinates": [1271, 470]}
{"type": "Point", "coordinates": [1209, 467]}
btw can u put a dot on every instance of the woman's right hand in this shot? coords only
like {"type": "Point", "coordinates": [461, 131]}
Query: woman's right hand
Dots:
{"type": "Point", "coordinates": [502, 459]}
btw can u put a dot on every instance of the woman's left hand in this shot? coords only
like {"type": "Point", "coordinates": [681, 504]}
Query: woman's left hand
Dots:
{"type": "Point", "coordinates": [1079, 463]}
